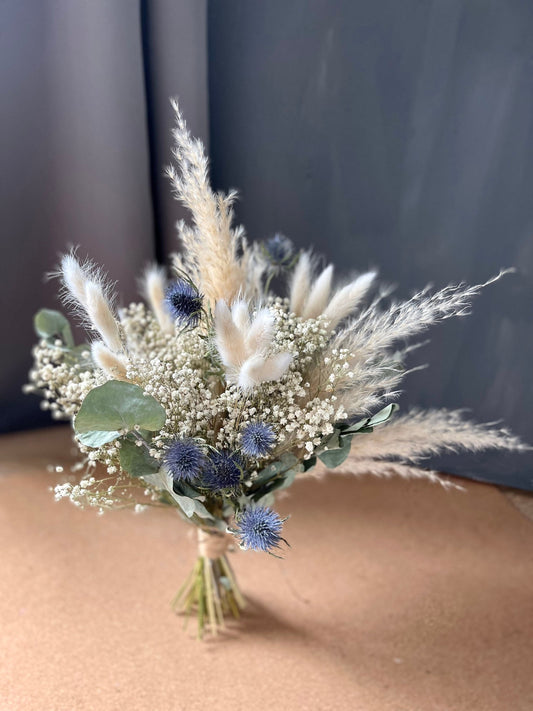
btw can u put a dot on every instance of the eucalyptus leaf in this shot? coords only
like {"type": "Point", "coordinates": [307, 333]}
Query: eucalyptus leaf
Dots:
{"type": "Point", "coordinates": [308, 464]}
{"type": "Point", "coordinates": [97, 438]}
{"type": "Point", "coordinates": [79, 354]}
{"type": "Point", "coordinates": [368, 424]}
{"type": "Point", "coordinates": [116, 406]}
{"type": "Point", "coordinates": [166, 498]}
{"type": "Point", "coordinates": [136, 460]}
{"type": "Point", "coordinates": [334, 457]}
{"type": "Point", "coordinates": [201, 511]}
{"type": "Point", "coordinates": [186, 504]}
{"type": "Point", "coordinates": [51, 324]}
{"type": "Point", "coordinates": [191, 507]}
{"type": "Point", "coordinates": [269, 472]}
{"type": "Point", "coordinates": [345, 440]}
{"type": "Point", "coordinates": [289, 478]}
{"type": "Point", "coordinates": [186, 489]}
{"type": "Point", "coordinates": [333, 441]}
{"type": "Point", "coordinates": [284, 463]}
{"type": "Point", "coordinates": [288, 460]}
{"type": "Point", "coordinates": [266, 500]}
{"type": "Point", "coordinates": [383, 415]}
{"type": "Point", "coordinates": [279, 482]}
{"type": "Point", "coordinates": [361, 426]}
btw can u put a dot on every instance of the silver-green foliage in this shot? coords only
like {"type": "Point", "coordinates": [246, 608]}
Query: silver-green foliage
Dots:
{"type": "Point", "coordinates": [110, 409]}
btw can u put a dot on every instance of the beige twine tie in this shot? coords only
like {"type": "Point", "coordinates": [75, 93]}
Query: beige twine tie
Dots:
{"type": "Point", "coordinates": [213, 545]}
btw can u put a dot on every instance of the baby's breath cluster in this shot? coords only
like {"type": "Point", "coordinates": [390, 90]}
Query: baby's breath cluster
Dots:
{"type": "Point", "coordinates": [118, 492]}
{"type": "Point", "coordinates": [62, 379]}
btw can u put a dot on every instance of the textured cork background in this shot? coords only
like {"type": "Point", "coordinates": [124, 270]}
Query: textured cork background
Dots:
{"type": "Point", "coordinates": [395, 596]}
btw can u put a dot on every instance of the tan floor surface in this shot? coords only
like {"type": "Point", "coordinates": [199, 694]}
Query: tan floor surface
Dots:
{"type": "Point", "coordinates": [395, 596]}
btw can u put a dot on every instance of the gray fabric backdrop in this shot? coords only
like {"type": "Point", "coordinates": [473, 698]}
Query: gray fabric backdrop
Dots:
{"type": "Point", "coordinates": [383, 133]}
{"type": "Point", "coordinates": [86, 122]}
{"type": "Point", "coordinates": [397, 134]}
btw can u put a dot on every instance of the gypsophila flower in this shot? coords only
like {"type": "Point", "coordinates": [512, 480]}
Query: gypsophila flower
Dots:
{"type": "Point", "coordinates": [184, 302]}
{"type": "Point", "coordinates": [259, 528]}
{"type": "Point", "coordinates": [184, 459]}
{"type": "Point", "coordinates": [223, 471]}
{"type": "Point", "coordinates": [257, 439]}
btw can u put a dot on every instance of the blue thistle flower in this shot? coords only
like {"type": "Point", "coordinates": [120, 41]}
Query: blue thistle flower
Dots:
{"type": "Point", "coordinates": [259, 528]}
{"type": "Point", "coordinates": [223, 470]}
{"type": "Point", "coordinates": [257, 439]}
{"type": "Point", "coordinates": [184, 459]}
{"type": "Point", "coordinates": [184, 302]}
{"type": "Point", "coordinates": [279, 250]}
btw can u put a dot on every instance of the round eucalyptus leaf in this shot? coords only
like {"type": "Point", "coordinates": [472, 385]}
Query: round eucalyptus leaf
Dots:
{"type": "Point", "coordinates": [51, 324]}
{"type": "Point", "coordinates": [334, 457]}
{"type": "Point", "coordinates": [136, 460]}
{"type": "Point", "coordinates": [113, 407]}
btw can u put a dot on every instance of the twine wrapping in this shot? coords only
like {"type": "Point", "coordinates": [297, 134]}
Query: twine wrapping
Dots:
{"type": "Point", "coordinates": [212, 545]}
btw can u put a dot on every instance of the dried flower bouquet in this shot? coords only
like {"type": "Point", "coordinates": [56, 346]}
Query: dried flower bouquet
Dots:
{"type": "Point", "coordinates": [217, 394]}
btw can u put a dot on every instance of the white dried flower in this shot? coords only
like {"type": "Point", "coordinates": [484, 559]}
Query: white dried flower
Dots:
{"type": "Point", "coordinates": [244, 345]}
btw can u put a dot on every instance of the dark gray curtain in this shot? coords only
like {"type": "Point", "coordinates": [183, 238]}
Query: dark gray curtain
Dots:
{"type": "Point", "coordinates": [396, 134]}
{"type": "Point", "coordinates": [85, 122]}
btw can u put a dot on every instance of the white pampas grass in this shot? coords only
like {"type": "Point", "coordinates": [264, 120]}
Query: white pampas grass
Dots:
{"type": "Point", "coordinates": [424, 433]}
{"type": "Point", "coordinates": [217, 255]}
{"type": "Point", "coordinates": [373, 330]}
{"type": "Point", "coordinates": [410, 438]}
{"type": "Point", "coordinates": [153, 284]}
{"type": "Point", "coordinates": [358, 466]}
{"type": "Point", "coordinates": [373, 372]}
{"type": "Point", "coordinates": [243, 345]}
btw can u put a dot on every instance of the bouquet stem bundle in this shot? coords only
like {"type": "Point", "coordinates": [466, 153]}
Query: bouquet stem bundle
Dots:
{"type": "Point", "coordinates": [211, 588]}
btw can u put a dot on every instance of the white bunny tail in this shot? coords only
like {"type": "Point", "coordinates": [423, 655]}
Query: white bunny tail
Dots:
{"type": "Point", "coordinates": [153, 285]}
{"type": "Point", "coordinates": [74, 278]}
{"type": "Point", "coordinates": [240, 314]}
{"type": "Point", "coordinates": [300, 284]}
{"type": "Point", "coordinates": [258, 369]}
{"type": "Point", "coordinates": [261, 332]}
{"type": "Point", "coordinates": [319, 296]}
{"type": "Point", "coordinates": [101, 316]}
{"type": "Point", "coordinates": [109, 362]}
{"type": "Point", "coordinates": [228, 338]}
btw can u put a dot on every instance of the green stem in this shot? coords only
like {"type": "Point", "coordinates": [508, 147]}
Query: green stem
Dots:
{"type": "Point", "coordinates": [211, 590]}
